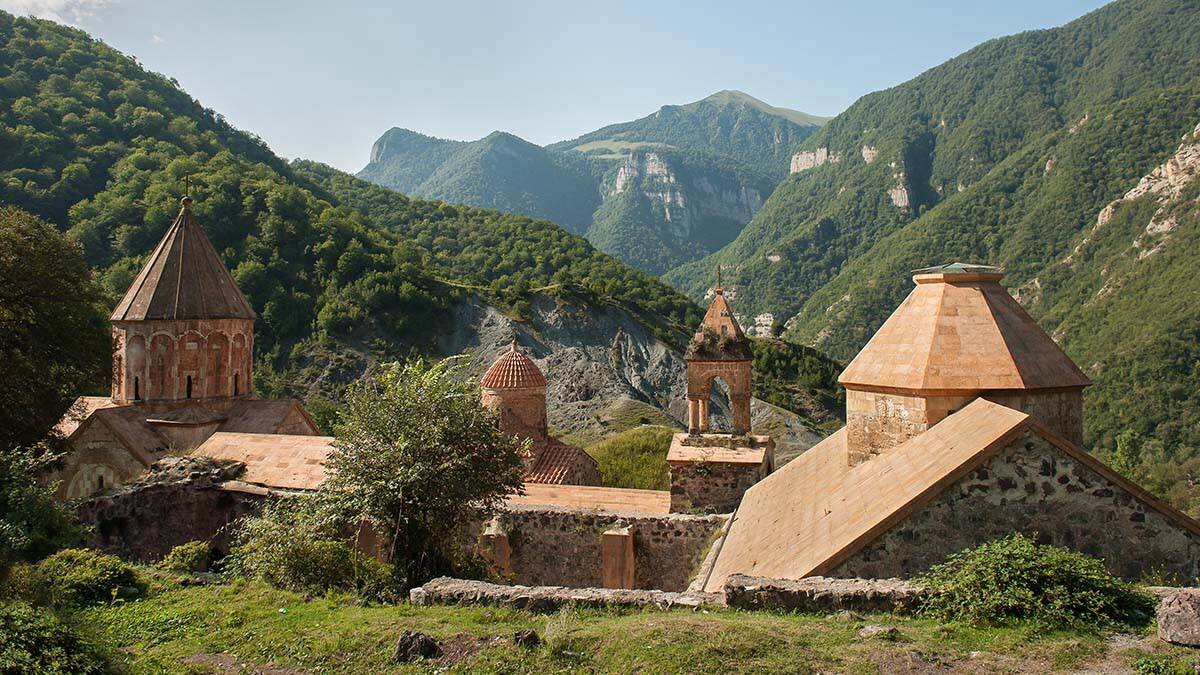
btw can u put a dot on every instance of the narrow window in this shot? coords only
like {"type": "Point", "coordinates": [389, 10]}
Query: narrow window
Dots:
{"type": "Point", "coordinates": [235, 384]}
{"type": "Point", "coordinates": [137, 393]}
{"type": "Point", "coordinates": [99, 482]}
{"type": "Point", "coordinates": [189, 386]}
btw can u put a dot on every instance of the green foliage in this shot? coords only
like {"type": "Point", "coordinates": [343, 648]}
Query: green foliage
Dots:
{"type": "Point", "coordinates": [636, 458]}
{"type": "Point", "coordinates": [417, 455]}
{"type": "Point", "coordinates": [38, 641]}
{"type": "Point", "coordinates": [1016, 579]}
{"type": "Point", "coordinates": [800, 379]}
{"type": "Point", "coordinates": [299, 544]}
{"type": "Point", "coordinates": [77, 577]}
{"type": "Point", "coordinates": [192, 557]}
{"type": "Point", "coordinates": [331, 265]}
{"type": "Point", "coordinates": [53, 340]}
{"type": "Point", "coordinates": [32, 523]}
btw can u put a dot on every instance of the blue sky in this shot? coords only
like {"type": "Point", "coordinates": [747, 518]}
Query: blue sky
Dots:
{"type": "Point", "coordinates": [322, 80]}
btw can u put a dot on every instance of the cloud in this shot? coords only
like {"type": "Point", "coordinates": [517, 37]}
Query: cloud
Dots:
{"type": "Point", "coordinates": [156, 40]}
{"type": "Point", "coordinates": [63, 11]}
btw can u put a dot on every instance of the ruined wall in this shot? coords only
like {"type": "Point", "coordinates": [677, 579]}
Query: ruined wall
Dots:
{"type": "Point", "coordinates": [712, 487]}
{"type": "Point", "coordinates": [562, 548]}
{"type": "Point", "coordinates": [1033, 488]}
{"type": "Point", "coordinates": [181, 500]}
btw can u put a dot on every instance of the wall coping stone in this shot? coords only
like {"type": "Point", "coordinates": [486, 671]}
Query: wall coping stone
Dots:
{"type": "Point", "coordinates": [823, 594]}
{"type": "Point", "coordinates": [450, 591]}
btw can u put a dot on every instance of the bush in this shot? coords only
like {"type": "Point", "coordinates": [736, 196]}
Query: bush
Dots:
{"type": "Point", "coordinates": [295, 545]}
{"type": "Point", "coordinates": [636, 458]}
{"type": "Point", "coordinates": [189, 558]}
{"type": "Point", "coordinates": [80, 577]}
{"type": "Point", "coordinates": [1015, 579]}
{"type": "Point", "coordinates": [37, 641]}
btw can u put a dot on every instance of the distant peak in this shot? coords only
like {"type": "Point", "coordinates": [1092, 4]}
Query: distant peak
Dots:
{"type": "Point", "coordinates": [727, 97]}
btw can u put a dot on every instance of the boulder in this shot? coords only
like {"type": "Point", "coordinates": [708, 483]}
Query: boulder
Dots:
{"type": "Point", "coordinates": [1179, 617]}
{"type": "Point", "coordinates": [413, 645]}
{"type": "Point", "coordinates": [526, 638]}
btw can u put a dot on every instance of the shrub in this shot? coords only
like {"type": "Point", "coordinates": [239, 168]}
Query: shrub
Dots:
{"type": "Point", "coordinates": [296, 545]}
{"type": "Point", "coordinates": [636, 458]}
{"type": "Point", "coordinates": [1014, 579]}
{"type": "Point", "coordinates": [192, 557]}
{"type": "Point", "coordinates": [80, 576]}
{"type": "Point", "coordinates": [37, 641]}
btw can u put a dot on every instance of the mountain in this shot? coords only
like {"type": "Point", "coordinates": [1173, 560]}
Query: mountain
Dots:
{"type": "Point", "coordinates": [656, 192]}
{"type": "Point", "coordinates": [1005, 154]}
{"type": "Point", "coordinates": [499, 171]}
{"type": "Point", "coordinates": [342, 273]}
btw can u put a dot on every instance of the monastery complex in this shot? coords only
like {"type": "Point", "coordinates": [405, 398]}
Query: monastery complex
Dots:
{"type": "Point", "coordinates": [964, 422]}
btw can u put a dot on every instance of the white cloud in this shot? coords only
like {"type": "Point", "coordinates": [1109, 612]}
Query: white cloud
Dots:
{"type": "Point", "coordinates": [63, 11]}
{"type": "Point", "coordinates": [156, 40]}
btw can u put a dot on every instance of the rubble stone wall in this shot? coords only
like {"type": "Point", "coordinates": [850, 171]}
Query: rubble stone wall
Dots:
{"type": "Point", "coordinates": [712, 487]}
{"type": "Point", "coordinates": [1033, 488]}
{"type": "Point", "coordinates": [562, 548]}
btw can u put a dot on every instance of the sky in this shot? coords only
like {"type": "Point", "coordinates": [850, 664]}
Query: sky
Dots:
{"type": "Point", "coordinates": [322, 80]}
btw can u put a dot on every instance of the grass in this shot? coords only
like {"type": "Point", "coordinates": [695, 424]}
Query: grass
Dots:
{"type": "Point", "coordinates": [636, 458]}
{"type": "Point", "coordinates": [616, 416]}
{"type": "Point", "coordinates": [250, 627]}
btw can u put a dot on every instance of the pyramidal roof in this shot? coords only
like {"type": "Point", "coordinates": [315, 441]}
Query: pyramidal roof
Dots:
{"type": "Point", "coordinates": [183, 279]}
{"type": "Point", "coordinates": [959, 329]}
{"type": "Point", "coordinates": [513, 370]}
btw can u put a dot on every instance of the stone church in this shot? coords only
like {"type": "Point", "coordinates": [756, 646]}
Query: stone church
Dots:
{"type": "Point", "coordinates": [183, 342]}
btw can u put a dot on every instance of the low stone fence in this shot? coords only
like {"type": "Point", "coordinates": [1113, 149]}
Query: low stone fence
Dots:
{"type": "Point", "coordinates": [447, 591]}
{"type": "Point", "coordinates": [557, 547]}
{"type": "Point", "coordinates": [821, 594]}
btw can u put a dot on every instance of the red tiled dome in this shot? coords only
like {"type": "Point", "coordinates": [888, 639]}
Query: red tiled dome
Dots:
{"type": "Point", "coordinates": [513, 370]}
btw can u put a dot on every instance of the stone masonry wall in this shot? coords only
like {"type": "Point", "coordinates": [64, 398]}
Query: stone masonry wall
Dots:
{"type": "Point", "coordinates": [711, 487]}
{"type": "Point", "coordinates": [96, 456]}
{"type": "Point", "coordinates": [562, 548]}
{"type": "Point", "coordinates": [1059, 411]}
{"type": "Point", "coordinates": [1033, 488]}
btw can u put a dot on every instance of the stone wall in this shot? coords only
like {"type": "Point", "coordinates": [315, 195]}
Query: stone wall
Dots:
{"type": "Point", "coordinates": [154, 360]}
{"type": "Point", "coordinates": [522, 411]}
{"type": "Point", "coordinates": [1034, 488]}
{"type": "Point", "coordinates": [712, 487]}
{"type": "Point", "coordinates": [186, 500]}
{"type": "Point", "coordinates": [550, 547]}
{"type": "Point", "coordinates": [97, 460]}
{"type": "Point", "coordinates": [876, 421]}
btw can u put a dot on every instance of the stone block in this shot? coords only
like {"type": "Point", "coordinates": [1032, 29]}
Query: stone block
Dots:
{"type": "Point", "coordinates": [616, 558]}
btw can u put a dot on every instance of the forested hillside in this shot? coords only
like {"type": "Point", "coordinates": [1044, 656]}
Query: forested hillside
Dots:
{"type": "Point", "coordinates": [655, 192]}
{"type": "Point", "coordinates": [1004, 155]}
{"type": "Point", "coordinates": [100, 147]}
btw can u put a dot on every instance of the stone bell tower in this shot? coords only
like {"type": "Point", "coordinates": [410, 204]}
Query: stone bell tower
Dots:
{"type": "Point", "coordinates": [710, 469]}
{"type": "Point", "coordinates": [183, 331]}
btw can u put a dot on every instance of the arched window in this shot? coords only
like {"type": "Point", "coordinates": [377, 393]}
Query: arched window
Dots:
{"type": "Point", "coordinates": [100, 482]}
{"type": "Point", "coordinates": [189, 386]}
{"type": "Point", "coordinates": [235, 384]}
{"type": "Point", "coordinates": [137, 392]}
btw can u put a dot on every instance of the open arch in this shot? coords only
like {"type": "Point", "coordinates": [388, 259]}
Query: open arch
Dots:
{"type": "Point", "coordinates": [734, 375]}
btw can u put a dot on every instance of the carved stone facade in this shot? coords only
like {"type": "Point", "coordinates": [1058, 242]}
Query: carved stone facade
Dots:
{"type": "Point", "coordinates": [1033, 488]}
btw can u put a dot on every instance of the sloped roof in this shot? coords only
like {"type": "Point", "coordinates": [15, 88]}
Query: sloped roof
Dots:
{"type": "Point", "coordinates": [720, 335]}
{"type": "Point", "coordinates": [184, 278]}
{"type": "Point", "coordinates": [555, 461]}
{"type": "Point", "coordinates": [590, 498]}
{"type": "Point", "coordinates": [272, 460]}
{"type": "Point", "coordinates": [79, 412]}
{"type": "Point", "coordinates": [817, 511]}
{"type": "Point", "coordinates": [261, 416]}
{"type": "Point", "coordinates": [960, 330]}
{"type": "Point", "coordinates": [513, 370]}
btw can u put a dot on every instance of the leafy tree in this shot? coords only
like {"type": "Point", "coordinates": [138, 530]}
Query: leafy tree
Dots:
{"type": "Point", "coordinates": [53, 340]}
{"type": "Point", "coordinates": [418, 457]}
{"type": "Point", "coordinates": [32, 523]}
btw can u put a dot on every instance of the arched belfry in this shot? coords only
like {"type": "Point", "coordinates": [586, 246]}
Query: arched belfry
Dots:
{"type": "Point", "coordinates": [719, 349]}
{"type": "Point", "coordinates": [712, 468]}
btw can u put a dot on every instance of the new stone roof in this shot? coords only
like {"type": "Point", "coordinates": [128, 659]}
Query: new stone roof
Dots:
{"type": "Point", "coordinates": [184, 278]}
{"type": "Point", "coordinates": [960, 330]}
{"type": "Point", "coordinates": [817, 511]}
{"type": "Point", "coordinates": [589, 498]}
{"type": "Point", "coordinates": [513, 370]}
{"type": "Point", "coordinates": [273, 460]}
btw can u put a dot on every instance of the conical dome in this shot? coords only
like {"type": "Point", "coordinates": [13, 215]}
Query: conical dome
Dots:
{"type": "Point", "coordinates": [184, 279]}
{"type": "Point", "coordinates": [513, 370]}
{"type": "Point", "coordinates": [960, 330]}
